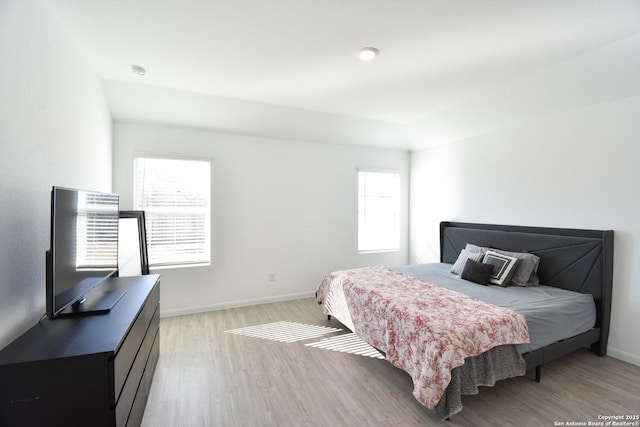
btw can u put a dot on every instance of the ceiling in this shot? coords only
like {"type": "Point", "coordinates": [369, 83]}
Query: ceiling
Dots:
{"type": "Point", "coordinates": [253, 65]}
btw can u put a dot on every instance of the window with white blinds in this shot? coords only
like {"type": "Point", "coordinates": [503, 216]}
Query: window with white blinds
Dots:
{"type": "Point", "coordinates": [378, 211]}
{"type": "Point", "coordinates": [175, 195]}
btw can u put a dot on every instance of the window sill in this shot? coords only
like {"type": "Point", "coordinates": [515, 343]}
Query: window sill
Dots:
{"type": "Point", "coordinates": [178, 266]}
{"type": "Point", "coordinates": [378, 251]}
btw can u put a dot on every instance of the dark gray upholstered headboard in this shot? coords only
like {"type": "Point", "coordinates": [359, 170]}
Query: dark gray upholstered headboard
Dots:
{"type": "Point", "coordinates": [577, 260]}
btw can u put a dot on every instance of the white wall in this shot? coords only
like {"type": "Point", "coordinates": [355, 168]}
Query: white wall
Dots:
{"type": "Point", "coordinates": [55, 130]}
{"type": "Point", "coordinates": [287, 207]}
{"type": "Point", "coordinates": [577, 169]}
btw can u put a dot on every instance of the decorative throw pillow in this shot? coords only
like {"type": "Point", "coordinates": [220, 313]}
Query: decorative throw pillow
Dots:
{"type": "Point", "coordinates": [526, 272]}
{"type": "Point", "coordinates": [462, 260]}
{"type": "Point", "coordinates": [477, 272]}
{"type": "Point", "coordinates": [504, 267]}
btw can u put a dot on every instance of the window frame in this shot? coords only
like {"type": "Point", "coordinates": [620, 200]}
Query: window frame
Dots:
{"type": "Point", "coordinates": [205, 259]}
{"type": "Point", "coordinates": [396, 224]}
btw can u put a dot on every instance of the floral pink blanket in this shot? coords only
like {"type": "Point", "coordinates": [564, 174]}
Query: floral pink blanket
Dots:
{"type": "Point", "coordinates": [423, 329]}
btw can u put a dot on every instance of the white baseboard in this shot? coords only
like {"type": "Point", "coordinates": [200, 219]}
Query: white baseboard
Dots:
{"type": "Point", "coordinates": [233, 304]}
{"type": "Point", "coordinates": [624, 356]}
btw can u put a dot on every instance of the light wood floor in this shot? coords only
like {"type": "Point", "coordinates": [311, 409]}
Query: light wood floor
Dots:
{"type": "Point", "coordinates": [207, 377]}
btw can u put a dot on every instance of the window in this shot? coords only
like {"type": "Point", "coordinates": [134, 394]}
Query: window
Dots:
{"type": "Point", "coordinates": [378, 211]}
{"type": "Point", "coordinates": [175, 195]}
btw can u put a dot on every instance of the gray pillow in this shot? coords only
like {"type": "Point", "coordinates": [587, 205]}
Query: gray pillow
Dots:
{"type": "Point", "coordinates": [474, 248]}
{"type": "Point", "coordinates": [458, 266]}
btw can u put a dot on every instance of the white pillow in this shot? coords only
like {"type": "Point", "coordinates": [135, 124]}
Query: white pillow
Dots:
{"type": "Point", "coordinates": [458, 266]}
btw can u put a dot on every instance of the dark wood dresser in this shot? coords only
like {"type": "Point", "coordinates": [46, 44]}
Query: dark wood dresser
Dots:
{"type": "Point", "coordinates": [91, 370]}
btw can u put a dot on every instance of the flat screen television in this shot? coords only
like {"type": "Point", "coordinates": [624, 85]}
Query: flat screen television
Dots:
{"type": "Point", "coordinates": [84, 252]}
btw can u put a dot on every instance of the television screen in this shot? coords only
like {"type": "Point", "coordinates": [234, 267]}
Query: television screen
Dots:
{"type": "Point", "coordinates": [84, 245]}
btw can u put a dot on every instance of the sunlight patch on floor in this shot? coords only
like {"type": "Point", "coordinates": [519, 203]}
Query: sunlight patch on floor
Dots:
{"type": "Point", "coordinates": [348, 343]}
{"type": "Point", "coordinates": [284, 331]}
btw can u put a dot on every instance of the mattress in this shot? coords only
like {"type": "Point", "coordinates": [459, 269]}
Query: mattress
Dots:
{"type": "Point", "coordinates": [552, 314]}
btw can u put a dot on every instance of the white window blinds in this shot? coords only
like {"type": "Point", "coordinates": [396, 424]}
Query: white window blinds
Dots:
{"type": "Point", "coordinates": [175, 195]}
{"type": "Point", "coordinates": [378, 211]}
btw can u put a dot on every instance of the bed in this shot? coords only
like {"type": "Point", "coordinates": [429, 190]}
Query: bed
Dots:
{"type": "Point", "coordinates": [412, 313]}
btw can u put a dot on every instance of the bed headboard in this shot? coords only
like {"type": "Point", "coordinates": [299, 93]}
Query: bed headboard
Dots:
{"type": "Point", "coordinates": [577, 260]}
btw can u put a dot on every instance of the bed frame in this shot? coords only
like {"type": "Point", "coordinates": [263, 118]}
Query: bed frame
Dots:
{"type": "Point", "coordinates": [576, 260]}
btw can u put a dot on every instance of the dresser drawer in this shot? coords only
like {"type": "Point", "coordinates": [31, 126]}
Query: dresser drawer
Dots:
{"type": "Point", "coordinates": [134, 380]}
{"type": "Point", "coordinates": [126, 355]}
{"type": "Point", "coordinates": [140, 401]}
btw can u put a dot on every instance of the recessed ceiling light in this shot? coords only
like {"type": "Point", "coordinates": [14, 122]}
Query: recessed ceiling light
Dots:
{"type": "Point", "coordinates": [368, 53]}
{"type": "Point", "coordinates": [138, 70]}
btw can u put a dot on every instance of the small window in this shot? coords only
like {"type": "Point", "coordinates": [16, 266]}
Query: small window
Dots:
{"type": "Point", "coordinates": [175, 195]}
{"type": "Point", "coordinates": [378, 211]}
